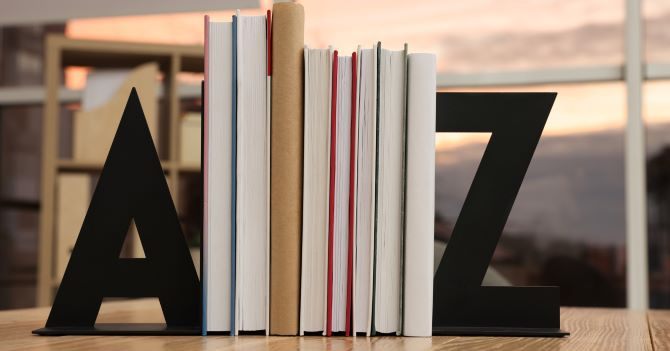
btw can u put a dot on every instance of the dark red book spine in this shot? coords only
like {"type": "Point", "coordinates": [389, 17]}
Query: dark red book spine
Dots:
{"type": "Point", "coordinates": [204, 244]}
{"type": "Point", "coordinates": [331, 199]}
{"type": "Point", "coordinates": [352, 195]}
{"type": "Point", "coordinates": [268, 26]}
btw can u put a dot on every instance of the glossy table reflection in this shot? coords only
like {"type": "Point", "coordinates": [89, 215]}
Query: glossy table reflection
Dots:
{"type": "Point", "coordinates": [590, 328]}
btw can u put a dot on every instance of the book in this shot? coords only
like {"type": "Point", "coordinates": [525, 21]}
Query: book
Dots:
{"type": "Point", "coordinates": [316, 176]}
{"type": "Point", "coordinates": [252, 178]}
{"type": "Point", "coordinates": [388, 232]}
{"type": "Point", "coordinates": [331, 194]}
{"type": "Point", "coordinates": [419, 195]}
{"type": "Point", "coordinates": [366, 108]}
{"type": "Point", "coordinates": [338, 258]}
{"type": "Point", "coordinates": [233, 197]}
{"type": "Point", "coordinates": [287, 39]}
{"type": "Point", "coordinates": [217, 248]}
{"type": "Point", "coordinates": [205, 200]}
{"type": "Point", "coordinates": [351, 225]}
{"type": "Point", "coordinates": [268, 113]}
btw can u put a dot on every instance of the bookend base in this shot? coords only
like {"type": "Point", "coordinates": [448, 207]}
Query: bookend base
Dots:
{"type": "Point", "coordinates": [499, 331]}
{"type": "Point", "coordinates": [120, 329]}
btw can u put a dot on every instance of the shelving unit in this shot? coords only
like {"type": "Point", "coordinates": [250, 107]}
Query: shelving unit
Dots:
{"type": "Point", "coordinates": [62, 52]}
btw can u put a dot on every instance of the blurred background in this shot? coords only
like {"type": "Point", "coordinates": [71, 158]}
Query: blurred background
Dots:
{"type": "Point", "coordinates": [64, 67]}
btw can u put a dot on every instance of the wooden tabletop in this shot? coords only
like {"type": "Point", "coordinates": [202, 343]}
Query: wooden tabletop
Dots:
{"type": "Point", "coordinates": [590, 328]}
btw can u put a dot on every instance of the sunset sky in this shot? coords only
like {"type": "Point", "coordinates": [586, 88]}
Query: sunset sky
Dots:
{"type": "Point", "coordinates": [468, 36]}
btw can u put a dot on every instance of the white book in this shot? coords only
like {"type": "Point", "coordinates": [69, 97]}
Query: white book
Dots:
{"type": "Point", "coordinates": [316, 175]}
{"type": "Point", "coordinates": [218, 216]}
{"type": "Point", "coordinates": [420, 195]}
{"type": "Point", "coordinates": [366, 107]}
{"type": "Point", "coordinates": [390, 186]}
{"type": "Point", "coordinates": [252, 206]}
{"type": "Point", "coordinates": [341, 203]}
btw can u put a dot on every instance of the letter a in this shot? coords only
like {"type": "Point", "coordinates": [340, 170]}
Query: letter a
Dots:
{"type": "Point", "coordinates": [132, 185]}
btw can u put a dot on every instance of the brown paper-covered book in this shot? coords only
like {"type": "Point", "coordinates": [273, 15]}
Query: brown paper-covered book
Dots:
{"type": "Point", "coordinates": [286, 167]}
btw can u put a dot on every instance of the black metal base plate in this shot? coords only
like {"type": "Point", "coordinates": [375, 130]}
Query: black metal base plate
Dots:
{"type": "Point", "coordinates": [120, 329]}
{"type": "Point", "coordinates": [499, 331]}
{"type": "Point", "coordinates": [162, 329]}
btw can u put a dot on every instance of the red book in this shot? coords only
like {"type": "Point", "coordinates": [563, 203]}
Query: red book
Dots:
{"type": "Point", "coordinates": [331, 196]}
{"type": "Point", "coordinates": [268, 22]}
{"type": "Point", "coordinates": [352, 195]}
{"type": "Point", "coordinates": [205, 170]}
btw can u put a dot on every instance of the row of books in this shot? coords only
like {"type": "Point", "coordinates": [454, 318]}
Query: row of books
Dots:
{"type": "Point", "coordinates": [319, 183]}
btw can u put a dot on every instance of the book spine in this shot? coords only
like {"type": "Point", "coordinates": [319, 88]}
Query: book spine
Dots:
{"type": "Point", "coordinates": [203, 245]}
{"type": "Point", "coordinates": [268, 151]}
{"type": "Point", "coordinates": [420, 196]}
{"type": "Point", "coordinates": [352, 194]}
{"type": "Point", "coordinates": [403, 194]}
{"type": "Point", "coordinates": [304, 246]}
{"type": "Point", "coordinates": [285, 64]}
{"type": "Point", "coordinates": [233, 190]}
{"type": "Point", "coordinates": [331, 197]}
{"type": "Point", "coordinates": [354, 286]}
{"type": "Point", "coordinates": [376, 198]}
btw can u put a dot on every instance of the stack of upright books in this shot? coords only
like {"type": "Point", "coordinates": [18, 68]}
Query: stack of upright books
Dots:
{"type": "Point", "coordinates": [319, 183]}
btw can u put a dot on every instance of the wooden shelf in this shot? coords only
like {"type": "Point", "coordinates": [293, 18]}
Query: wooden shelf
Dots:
{"type": "Point", "coordinates": [62, 52]}
{"type": "Point", "coordinates": [19, 204]}
{"type": "Point", "coordinates": [112, 54]}
{"type": "Point", "coordinates": [69, 165]}
{"type": "Point", "coordinates": [189, 168]}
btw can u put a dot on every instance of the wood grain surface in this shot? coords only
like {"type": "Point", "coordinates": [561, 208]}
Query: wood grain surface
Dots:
{"type": "Point", "coordinates": [590, 328]}
{"type": "Point", "coordinates": [659, 329]}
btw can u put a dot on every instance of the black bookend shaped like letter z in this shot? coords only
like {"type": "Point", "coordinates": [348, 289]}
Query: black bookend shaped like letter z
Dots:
{"type": "Point", "coordinates": [132, 185]}
{"type": "Point", "coordinates": [462, 306]}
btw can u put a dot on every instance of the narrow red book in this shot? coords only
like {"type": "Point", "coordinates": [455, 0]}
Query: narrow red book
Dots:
{"type": "Point", "coordinates": [331, 197]}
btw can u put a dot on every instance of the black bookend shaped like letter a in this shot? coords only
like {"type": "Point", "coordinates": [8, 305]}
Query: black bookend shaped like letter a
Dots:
{"type": "Point", "coordinates": [462, 306]}
{"type": "Point", "coordinates": [132, 185]}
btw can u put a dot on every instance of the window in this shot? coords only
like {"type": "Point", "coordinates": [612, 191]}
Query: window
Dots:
{"type": "Point", "coordinates": [657, 35]}
{"type": "Point", "coordinates": [657, 118]}
{"type": "Point", "coordinates": [476, 35]}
